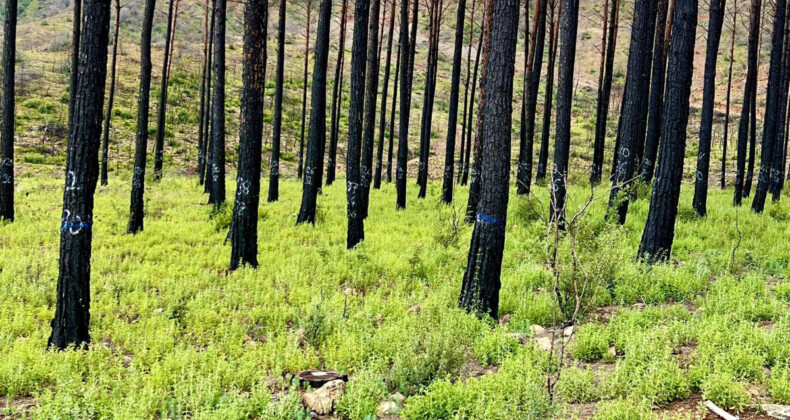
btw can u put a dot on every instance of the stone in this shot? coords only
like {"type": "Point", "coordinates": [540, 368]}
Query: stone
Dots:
{"type": "Point", "coordinates": [504, 320]}
{"type": "Point", "coordinates": [781, 412]}
{"type": "Point", "coordinates": [544, 342]}
{"type": "Point", "coordinates": [319, 378]}
{"type": "Point", "coordinates": [387, 408]}
{"type": "Point", "coordinates": [613, 352]}
{"type": "Point", "coordinates": [414, 309]}
{"type": "Point", "coordinates": [322, 401]}
{"type": "Point", "coordinates": [537, 330]}
{"type": "Point", "coordinates": [567, 332]}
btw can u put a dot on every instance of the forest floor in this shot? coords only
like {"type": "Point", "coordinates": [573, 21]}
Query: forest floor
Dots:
{"type": "Point", "coordinates": [176, 335]}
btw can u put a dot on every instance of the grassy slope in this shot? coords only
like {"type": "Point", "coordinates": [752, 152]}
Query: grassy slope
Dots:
{"type": "Point", "coordinates": [174, 334]}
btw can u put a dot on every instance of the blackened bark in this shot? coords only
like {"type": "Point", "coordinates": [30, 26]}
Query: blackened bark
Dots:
{"type": "Point", "coordinates": [752, 139]}
{"type": "Point", "coordinates": [356, 227]}
{"type": "Point", "coordinates": [470, 116]}
{"type": "Point", "coordinates": [406, 63]}
{"type": "Point", "coordinates": [726, 139]}
{"type": "Point", "coordinates": [746, 121]}
{"type": "Point", "coordinates": [715, 25]}
{"type": "Point", "coordinates": [317, 129]}
{"type": "Point", "coordinates": [217, 193]}
{"type": "Point", "coordinates": [304, 89]}
{"type": "Point", "coordinates": [369, 116]}
{"type": "Point", "coordinates": [657, 92]}
{"type": "Point", "coordinates": [770, 127]}
{"type": "Point", "coordinates": [429, 96]}
{"type": "Point", "coordinates": [474, 187]}
{"type": "Point", "coordinates": [464, 125]}
{"type": "Point", "coordinates": [7, 130]}
{"type": "Point", "coordinates": [452, 120]}
{"type": "Point", "coordinates": [543, 155]}
{"type": "Point", "coordinates": [384, 98]}
{"type": "Point", "coordinates": [392, 113]}
{"type": "Point", "coordinates": [659, 231]}
{"type": "Point", "coordinates": [337, 90]}
{"type": "Point", "coordinates": [105, 143]}
{"type": "Point", "coordinates": [777, 169]}
{"type": "Point", "coordinates": [630, 131]}
{"type": "Point", "coordinates": [203, 134]}
{"type": "Point", "coordinates": [481, 283]}
{"type": "Point", "coordinates": [524, 173]}
{"type": "Point", "coordinates": [136, 206]}
{"type": "Point", "coordinates": [72, 310]}
{"type": "Point", "coordinates": [277, 120]}
{"type": "Point", "coordinates": [604, 95]}
{"type": "Point", "coordinates": [244, 229]}
{"type": "Point", "coordinates": [569, 24]}
{"type": "Point", "coordinates": [208, 145]}
{"type": "Point", "coordinates": [75, 55]}
{"type": "Point", "coordinates": [159, 146]}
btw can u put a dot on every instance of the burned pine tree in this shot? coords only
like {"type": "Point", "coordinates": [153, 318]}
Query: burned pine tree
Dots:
{"type": "Point", "coordinates": [406, 63]}
{"type": "Point", "coordinates": [72, 309]}
{"type": "Point", "coordinates": [217, 192]}
{"type": "Point", "coordinates": [76, 26]}
{"type": "Point", "coordinates": [337, 91]}
{"type": "Point", "coordinates": [715, 25]}
{"type": "Point", "coordinates": [391, 136]}
{"type": "Point", "coordinates": [527, 135]}
{"type": "Point", "coordinates": [159, 146]}
{"type": "Point", "coordinates": [660, 50]}
{"type": "Point", "coordinates": [780, 144]}
{"type": "Point", "coordinates": [569, 24]}
{"type": "Point", "coordinates": [356, 227]}
{"type": "Point", "coordinates": [464, 126]}
{"type": "Point", "coordinates": [631, 133]}
{"type": "Point", "coordinates": [384, 98]}
{"type": "Point", "coordinates": [277, 120]}
{"type": "Point", "coordinates": [605, 93]}
{"type": "Point", "coordinates": [205, 84]}
{"type": "Point", "coordinates": [369, 116]}
{"type": "Point", "coordinates": [452, 120]}
{"type": "Point", "coordinates": [726, 138]}
{"type": "Point", "coordinates": [7, 129]}
{"type": "Point", "coordinates": [470, 116]}
{"type": "Point", "coordinates": [746, 122]}
{"type": "Point", "coordinates": [105, 143]}
{"type": "Point", "coordinates": [316, 136]}
{"type": "Point", "coordinates": [244, 228]}
{"type": "Point", "coordinates": [137, 203]}
{"type": "Point", "coordinates": [543, 155]}
{"type": "Point", "coordinates": [308, 15]}
{"type": "Point", "coordinates": [429, 95]}
{"type": "Point", "coordinates": [481, 283]}
{"type": "Point", "coordinates": [659, 230]}
{"type": "Point", "coordinates": [774, 97]}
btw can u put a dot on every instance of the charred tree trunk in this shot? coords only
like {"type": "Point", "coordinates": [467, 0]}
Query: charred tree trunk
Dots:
{"type": "Point", "coordinates": [746, 122]}
{"type": "Point", "coordinates": [543, 156]}
{"type": "Point", "coordinates": [481, 284]}
{"type": "Point", "coordinates": [369, 117]}
{"type": "Point", "coordinates": [470, 116]}
{"type": "Point", "coordinates": [72, 310]}
{"type": "Point", "coordinates": [752, 138]}
{"type": "Point", "coordinates": [562, 141]}
{"type": "Point", "coordinates": [452, 120]}
{"type": "Point", "coordinates": [384, 97]}
{"type": "Point", "coordinates": [7, 130]}
{"type": "Point", "coordinates": [657, 92]}
{"type": "Point", "coordinates": [659, 231]}
{"type": "Point", "coordinates": [162, 112]}
{"type": "Point", "coordinates": [429, 96]}
{"type": "Point", "coordinates": [726, 140]}
{"type": "Point", "coordinates": [337, 91]}
{"type": "Point", "coordinates": [304, 89]}
{"type": "Point", "coordinates": [464, 126]}
{"type": "Point", "coordinates": [244, 229]}
{"type": "Point", "coordinates": [75, 55]}
{"type": "Point", "coordinates": [407, 62]}
{"type": "Point", "coordinates": [277, 120]}
{"type": "Point", "coordinates": [524, 174]}
{"type": "Point", "coordinates": [771, 128]}
{"type": "Point", "coordinates": [392, 112]}
{"type": "Point", "coordinates": [604, 95]}
{"type": "Point", "coordinates": [217, 193]}
{"type": "Point", "coordinates": [630, 132]}
{"type": "Point", "coordinates": [474, 187]}
{"type": "Point", "coordinates": [137, 203]}
{"type": "Point", "coordinates": [105, 144]}
{"type": "Point", "coordinates": [208, 120]}
{"type": "Point", "coordinates": [317, 130]}
{"type": "Point", "coordinates": [715, 25]}
{"type": "Point", "coordinates": [777, 170]}
{"type": "Point", "coordinates": [203, 134]}
{"type": "Point", "coordinates": [356, 227]}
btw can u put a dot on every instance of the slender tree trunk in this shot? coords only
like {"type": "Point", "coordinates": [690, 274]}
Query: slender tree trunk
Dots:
{"type": "Point", "coordinates": [384, 97]}
{"type": "Point", "coordinates": [659, 231]}
{"type": "Point", "coordinates": [407, 66]}
{"type": "Point", "coordinates": [715, 25]}
{"type": "Point", "coordinates": [464, 125]}
{"type": "Point", "coordinates": [746, 121]}
{"type": "Point", "coordinates": [726, 140]}
{"type": "Point", "coordinates": [524, 174]}
{"type": "Point", "coordinates": [429, 97]}
{"type": "Point", "coordinates": [771, 128]}
{"type": "Point", "coordinates": [277, 120]}
{"type": "Point", "coordinates": [356, 227]}
{"type": "Point", "coordinates": [202, 112]}
{"type": "Point", "coordinates": [452, 120]}
{"type": "Point", "coordinates": [75, 55]}
{"type": "Point", "coordinates": [470, 116]}
{"type": "Point", "coordinates": [656, 92]}
{"type": "Point", "coordinates": [7, 130]}
{"type": "Point", "coordinates": [105, 144]}
{"type": "Point", "coordinates": [474, 187]}
{"type": "Point", "coordinates": [207, 120]}
{"type": "Point", "coordinates": [369, 117]}
{"type": "Point", "coordinates": [481, 284]}
{"type": "Point", "coordinates": [543, 157]}
{"type": "Point", "coordinates": [569, 22]}
{"type": "Point", "coordinates": [392, 111]}
{"type": "Point", "coordinates": [72, 309]}
{"type": "Point", "coordinates": [604, 95]}
{"type": "Point", "coordinates": [337, 91]}
{"type": "Point", "coordinates": [633, 113]}
{"type": "Point", "coordinates": [752, 138]}
{"type": "Point", "coordinates": [137, 203]}
{"type": "Point", "coordinates": [244, 229]}
{"type": "Point", "coordinates": [159, 147]}
{"type": "Point", "coordinates": [777, 170]}
{"type": "Point", "coordinates": [304, 89]}
{"type": "Point", "coordinates": [217, 193]}
{"type": "Point", "coordinates": [317, 130]}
